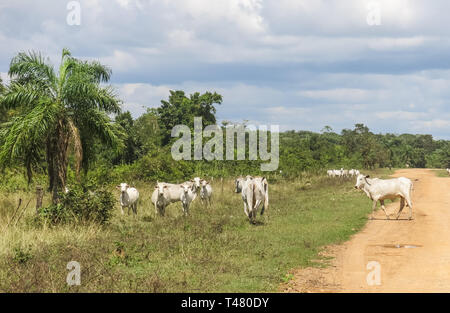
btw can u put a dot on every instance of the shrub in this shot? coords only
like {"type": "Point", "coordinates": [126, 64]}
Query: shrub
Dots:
{"type": "Point", "coordinates": [80, 205]}
{"type": "Point", "coordinates": [21, 256]}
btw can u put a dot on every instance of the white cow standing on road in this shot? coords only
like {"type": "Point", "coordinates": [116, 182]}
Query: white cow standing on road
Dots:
{"type": "Point", "coordinates": [128, 197]}
{"type": "Point", "coordinates": [381, 189]}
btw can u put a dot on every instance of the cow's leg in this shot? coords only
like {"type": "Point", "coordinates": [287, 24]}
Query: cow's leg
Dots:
{"type": "Point", "coordinates": [402, 205]}
{"type": "Point", "coordinates": [384, 209]}
{"type": "Point", "coordinates": [408, 200]}
{"type": "Point", "coordinates": [257, 204]}
{"type": "Point", "coordinates": [245, 208]}
{"type": "Point", "coordinates": [374, 206]}
{"type": "Point", "coordinates": [252, 216]}
{"type": "Point", "coordinates": [121, 209]}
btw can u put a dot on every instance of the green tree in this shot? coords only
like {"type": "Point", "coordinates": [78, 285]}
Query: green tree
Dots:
{"type": "Point", "coordinates": [132, 147]}
{"type": "Point", "coordinates": [181, 110]}
{"type": "Point", "coordinates": [57, 111]}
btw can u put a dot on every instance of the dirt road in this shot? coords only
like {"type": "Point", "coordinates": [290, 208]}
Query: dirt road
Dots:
{"type": "Point", "coordinates": [414, 256]}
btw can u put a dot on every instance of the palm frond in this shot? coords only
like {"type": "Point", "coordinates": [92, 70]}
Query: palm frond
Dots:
{"type": "Point", "coordinates": [32, 67]}
{"type": "Point", "coordinates": [97, 123]}
{"type": "Point", "coordinates": [23, 95]}
{"type": "Point", "coordinates": [80, 94]}
{"type": "Point", "coordinates": [27, 130]}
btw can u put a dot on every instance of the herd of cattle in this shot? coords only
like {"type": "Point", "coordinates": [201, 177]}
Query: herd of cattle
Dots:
{"type": "Point", "coordinates": [254, 192]}
{"type": "Point", "coordinates": [343, 173]}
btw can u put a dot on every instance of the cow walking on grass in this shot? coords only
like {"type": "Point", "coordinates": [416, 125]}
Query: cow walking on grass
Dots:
{"type": "Point", "coordinates": [165, 194]}
{"type": "Point", "coordinates": [206, 192]}
{"type": "Point", "coordinates": [188, 194]}
{"type": "Point", "coordinates": [381, 189]}
{"type": "Point", "coordinates": [254, 191]}
{"type": "Point", "coordinates": [128, 197]}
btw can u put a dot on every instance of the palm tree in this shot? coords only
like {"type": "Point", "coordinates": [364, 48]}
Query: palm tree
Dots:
{"type": "Point", "coordinates": [56, 112]}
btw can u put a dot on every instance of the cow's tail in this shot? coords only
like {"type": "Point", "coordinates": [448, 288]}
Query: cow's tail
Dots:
{"type": "Point", "coordinates": [266, 196]}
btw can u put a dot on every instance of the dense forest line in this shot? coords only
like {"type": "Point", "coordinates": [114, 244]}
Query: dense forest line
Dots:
{"type": "Point", "coordinates": [104, 145]}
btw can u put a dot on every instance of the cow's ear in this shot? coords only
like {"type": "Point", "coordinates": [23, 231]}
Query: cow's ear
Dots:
{"type": "Point", "coordinates": [367, 176]}
{"type": "Point", "coordinates": [118, 186]}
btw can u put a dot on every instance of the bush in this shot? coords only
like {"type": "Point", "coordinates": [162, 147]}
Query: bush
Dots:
{"type": "Point", "coordinates": [80, 205]}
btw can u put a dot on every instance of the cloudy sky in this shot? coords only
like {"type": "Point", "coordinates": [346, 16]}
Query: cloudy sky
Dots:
{"type": "Point", "coordinates": [301, 64]}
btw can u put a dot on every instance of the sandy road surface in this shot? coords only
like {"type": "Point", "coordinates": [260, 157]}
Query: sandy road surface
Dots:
{"type": "Point", "coordinates": [422, 266]}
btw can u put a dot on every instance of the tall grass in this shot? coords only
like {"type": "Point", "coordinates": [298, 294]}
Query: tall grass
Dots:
{"type": "Point", "coordinates": [214, 249]}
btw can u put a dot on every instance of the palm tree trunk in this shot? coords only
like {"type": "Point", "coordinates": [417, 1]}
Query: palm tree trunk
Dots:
{"type": "Point", "coordinates": [59, 155]}
{"type": "Point", "coordinates": [51, 175]}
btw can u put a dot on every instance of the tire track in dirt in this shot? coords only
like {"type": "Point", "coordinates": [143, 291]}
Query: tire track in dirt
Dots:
{"type": "Point", "coordinates": [422, 266]}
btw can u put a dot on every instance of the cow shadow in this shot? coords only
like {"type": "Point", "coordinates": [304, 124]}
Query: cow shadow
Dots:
{"type": "Point", "coordinates": [390, 219]}
{"type": "Point", "coordinates": [258, 223]}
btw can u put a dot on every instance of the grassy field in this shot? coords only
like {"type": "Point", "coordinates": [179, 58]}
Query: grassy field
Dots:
{"type": "Point", "coordinates": [441, 173]}
{"type": "Point", "coordinates": [213, 250]}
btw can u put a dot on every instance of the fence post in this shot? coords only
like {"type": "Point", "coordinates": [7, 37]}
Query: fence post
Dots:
{"type": "Point", "coordinates": [39, 196]}
{"type": "Point", "coordinates": [221, 181]}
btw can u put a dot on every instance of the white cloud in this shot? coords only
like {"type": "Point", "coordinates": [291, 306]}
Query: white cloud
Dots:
{"type": "Point", "coordinates": [301, 64]}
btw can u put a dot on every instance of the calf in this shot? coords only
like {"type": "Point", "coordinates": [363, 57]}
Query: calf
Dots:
{"type": "Point", "coordinates": [188, 193]}
{"type": "Point", "coordinates": [205, 192]}
{"type": "Point", "coordinates": [128, 197]}
{"type": "Point", "coordinates": [381, 189]}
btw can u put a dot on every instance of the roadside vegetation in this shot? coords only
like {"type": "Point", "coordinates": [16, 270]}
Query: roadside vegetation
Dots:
{"type": "Point", "coordinates": [213, 250]}
{"type": "Point", "coordinates": [441, 173]}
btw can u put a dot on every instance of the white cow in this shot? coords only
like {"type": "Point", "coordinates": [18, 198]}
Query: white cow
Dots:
{"type": "Point", "coordinates": [254, 191]}
{"type": "Point", "coordinates": [448, 171]}
{"type": "Point", "coordinates": [344, 173]}
{"type": "Point", "coordinates": [128, 197]}
{"type": "Point", "coordinates": [188, 194]}
{"type": "Point", "coordinates": [197, 182]}
{"type": "Point", "coordinates": [165, 194]}
{"type": "Point", "coordinates": [380, 189]}
{"type": "Point", "coordinates": [206, 192]}
{"type": "Point", "coordinates": [337, 173]}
